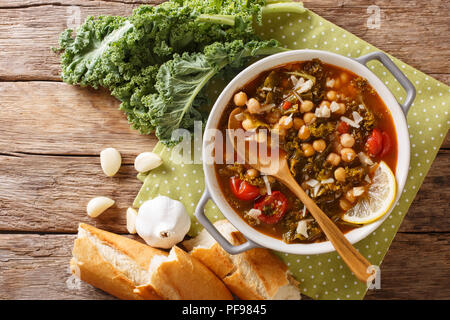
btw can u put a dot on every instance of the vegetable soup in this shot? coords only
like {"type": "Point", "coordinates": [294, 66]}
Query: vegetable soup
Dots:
{"type": "Point", "coordinates": [335, 130]}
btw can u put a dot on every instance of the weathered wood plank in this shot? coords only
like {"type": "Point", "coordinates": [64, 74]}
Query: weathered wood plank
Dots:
{"type": "Point", "coordinates": [405, 32]}
{"type": "Point", "coordinates": [55, 118]}
{"type": "Point", "coordinates": [27, 54]}
{"type": "Point", "coordinates": [50, 193]}
{"type": "Point", "coordinates": [37, 267]}
{"type": "Point", "coordinates": [415, 267]}
{"type": "Point", "coordinates": [32, 264]}
{"type": "Point", "coordinates": [433, 194]}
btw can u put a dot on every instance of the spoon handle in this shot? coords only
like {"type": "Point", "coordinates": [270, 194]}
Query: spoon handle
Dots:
{"type": "Point", "coordinates": [354, 260]}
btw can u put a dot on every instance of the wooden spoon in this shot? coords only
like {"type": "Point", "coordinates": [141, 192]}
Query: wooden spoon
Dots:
{"type": "Point", "coordinates": [278, 167]}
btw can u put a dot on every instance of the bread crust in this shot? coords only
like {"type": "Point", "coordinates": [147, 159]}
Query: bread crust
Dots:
{"type": "Point", "coordinates": [181, 278]}
{"type": "Point", "coordinates": [256, 274]}
{"type": "Point", "coordinates": [88, 264]}
{"type": "Point", "coordinates": [186, 278]}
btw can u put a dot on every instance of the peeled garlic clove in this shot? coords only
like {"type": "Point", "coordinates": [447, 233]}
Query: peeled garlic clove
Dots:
{"type": "Point", "coordinates": [147, 161]}
{"type": "Point", "coordinates": [131, 220]}
{"type": "Point", "coordinates": [110, 160]}
{"type": "Point", "coordinates": [98, 205]}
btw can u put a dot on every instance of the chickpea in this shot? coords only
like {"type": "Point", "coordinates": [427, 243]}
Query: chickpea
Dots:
{"type": "Point", "coordinates": [309, 117]}
{"type": "Point", "coordinates": [240, 99]}
{"type": "Point", "coordinates": [348, 154]}
{"type": "Point", "coordinates": [303, 133]}
{"type": "Point", "coordinates": [252, 173]}
{"type": "Point", "coordinates": [308, 150]}
{"type": "Point", "coordinates": [334, 159]}
{"type": "Point", "coordinates": [273, 116]}
{"type": "Point", "coordinates": [344, 204]}
{"type": "Point", "coordinates": [347, 140]}
{"type": "Point", "coordinates": [298, 123]}
{"type": "Point", "coordinates": [279, 130]}
{"type": "Point", "coordinates": [337, 83]}
{"type": "Point", "coordinates": [341, 109]}
{"type": "Point", "coordinates": [285, 122]}
{"type": "Point", "coordinates": [350, 196]}
{"type": "Point", "coordinates": [325, 103]}
{"type": "Point", "coordinates": [338, 147]}
{"type": "Point", "coordinates": [319, 145]}
{"type": "Point", "coordinates": [248, 124]}
{"type": "Point", "coordinates": [253, 106]}
{"type": "Point", "coordinates": [306, 106]}
{"type": "Point", "coordinates": [339, 174]}
{"type": "Point", "coordinates": [331, 95]}
{"type": "Point", "coordinates": [344, 77]}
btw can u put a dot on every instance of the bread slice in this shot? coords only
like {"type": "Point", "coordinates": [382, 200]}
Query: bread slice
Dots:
{"type": "Point", "coordinates": [256, 274]}
{"type": "Point", "coordinates": [132, 270]}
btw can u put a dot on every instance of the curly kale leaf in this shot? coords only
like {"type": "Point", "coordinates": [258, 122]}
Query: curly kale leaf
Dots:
{"type": "Point", "coordinates": [180, 82]}
{"type": "Point", "coordinates": [109, 50]}
{"type": "Point", "coordinates": [127, 55]}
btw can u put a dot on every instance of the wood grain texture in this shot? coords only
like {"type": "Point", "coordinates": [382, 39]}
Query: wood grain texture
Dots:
{"type": "Point", "coordinates": [416, 267]}
{"type": "Point", "coordinates": [49, 194]}
{"type": "Point", "coordinates": [404, 32]}
{"type": "Point", "coordinates": [34, 259]}
{"type": "Point", "coordinates": [56, 118]}
{"type": "Point", "coordinates": [51, 134]}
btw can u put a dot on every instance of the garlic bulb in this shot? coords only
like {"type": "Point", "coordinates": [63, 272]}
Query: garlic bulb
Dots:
{"type": "Point", "coordinates": [162, 222]}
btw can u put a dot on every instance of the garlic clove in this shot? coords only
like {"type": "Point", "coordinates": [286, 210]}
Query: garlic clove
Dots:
{"type": "Point", "coordinates": [110, 160]}
{"type": "Point", "coordinates": [98, 205]}
{"type": "Point", "coordinates": [131, 220]}
{"type": "Point", "coordinates": [147, 161]}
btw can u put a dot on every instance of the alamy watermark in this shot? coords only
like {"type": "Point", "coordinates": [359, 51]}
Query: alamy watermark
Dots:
{"type": "Point", "coordinates": [374, 20]}
{"type": "Point", "coordinates": [74, 17]}
{"type": "Point", "coordinates": [374, 281]}
{"type": "Point", "coordinates": [218, 146]}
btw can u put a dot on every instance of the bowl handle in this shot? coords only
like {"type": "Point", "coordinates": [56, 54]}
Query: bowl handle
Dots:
{"type": "Point", "coordinates": [227, 246]}
{"type": "Point", "coordinates": [401, 78]}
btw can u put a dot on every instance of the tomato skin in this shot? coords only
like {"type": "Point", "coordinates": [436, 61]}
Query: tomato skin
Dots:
{"type": "Point", "coordinates": [243, 190]}
{"type": "Point", "coordinates": [387, 144]}
{"type": "Point", "coordinates": [278, 202]}
{"type": "Point", "coordinates": [374, 143]}
{"type": "Point", "coordinates": [286, 105]}
{"type": "Point", "coordinates": [343, 127]}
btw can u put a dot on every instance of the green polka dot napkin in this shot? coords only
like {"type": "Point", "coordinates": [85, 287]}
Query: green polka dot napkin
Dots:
{"type": "Point", "coordinates": [325, 276]}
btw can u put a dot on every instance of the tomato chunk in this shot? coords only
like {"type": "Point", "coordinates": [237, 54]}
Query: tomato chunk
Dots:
{"type": "Point", "coordinates": [273, 207]}
{"type": "Point", "coordinates": [286, 105]}
{"type": "Point", "coordinates": [243, 190]}
{"type": "Point", "coordinates": [374, 143]}
{"type": "Point", "coordinates": [387, 144]}
{"type": "Point", "coordinates": [343, 127]}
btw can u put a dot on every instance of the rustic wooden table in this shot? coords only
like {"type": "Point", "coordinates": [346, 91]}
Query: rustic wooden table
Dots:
{"type": "Point", "coordinates": [51, 135]}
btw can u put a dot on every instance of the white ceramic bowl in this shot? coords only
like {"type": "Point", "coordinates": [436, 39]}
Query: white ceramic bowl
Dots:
{"type": "Point", "coordinates": [358, 67]}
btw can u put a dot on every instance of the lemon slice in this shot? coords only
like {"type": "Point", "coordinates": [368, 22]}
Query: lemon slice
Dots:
{"type": "Point", "coordinates": [379, 198]}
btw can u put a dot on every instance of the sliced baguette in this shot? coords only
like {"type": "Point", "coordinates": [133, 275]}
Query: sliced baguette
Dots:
{"type": "Point", "coordinates": [256, 274]}
{"type": "Point", "coordinates": [131, 270]}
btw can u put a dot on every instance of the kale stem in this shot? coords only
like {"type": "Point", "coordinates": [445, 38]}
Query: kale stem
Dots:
{"type": "Point", "coordinates": [291, 7]}
{"type": "Point", "coordinates": [217, 18]}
